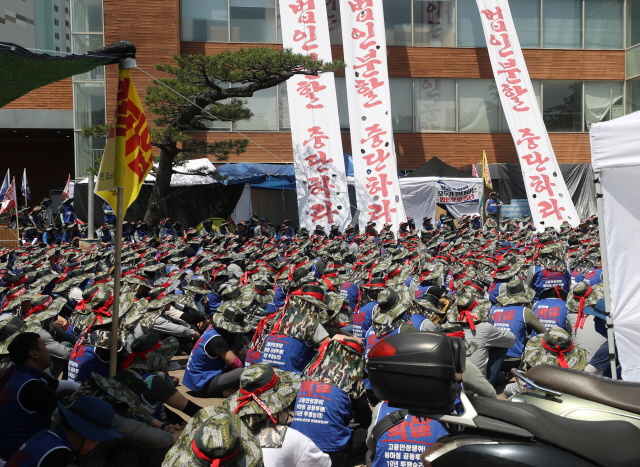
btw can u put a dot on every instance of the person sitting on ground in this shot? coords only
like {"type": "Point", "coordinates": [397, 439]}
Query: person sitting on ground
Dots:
{"type": "Point", "coordinates": [83, 425]}
{"type": "Point", "coordinates": [28, 395]}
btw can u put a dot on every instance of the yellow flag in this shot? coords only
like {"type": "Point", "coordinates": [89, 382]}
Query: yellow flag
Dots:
{"type": "Point", "coordinates": [127, 156]}
{"type": "Point", "coordinates": [485, 171]}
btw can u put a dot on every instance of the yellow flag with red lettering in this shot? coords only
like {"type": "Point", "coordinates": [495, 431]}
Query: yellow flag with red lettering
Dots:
{"type": "Point", "coordinates": [485, 171]}
{"type": "Point", "coordinates": [127, 156]}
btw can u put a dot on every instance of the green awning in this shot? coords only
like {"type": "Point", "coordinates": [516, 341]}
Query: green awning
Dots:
{"type": "Point", "coordinates": [22, 71]}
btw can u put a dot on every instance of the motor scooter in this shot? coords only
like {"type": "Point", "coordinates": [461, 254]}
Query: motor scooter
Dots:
{"type": "Point", "coordinates": [421, 372]}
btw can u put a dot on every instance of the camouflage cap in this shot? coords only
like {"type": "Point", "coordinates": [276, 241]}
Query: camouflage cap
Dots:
{"type": "Point", "coordinates": [282, 388]}
{"type": "Point", "coordinates": [428, 304]}
{"type": "Point", "coordinates": [214, 433]}
{"type": "Point", "coordinates": [45, 307]}
{"type": "Point", "coordinates": [10, 328]}
{"type": "Point", "coordinates": [113, 390]}
{"type": "Point", "coordinates": [585, 292]}
{"type": "Point", "coordinates": [389, 308]}
{"type": "Point", "coordinates": [546, 349]}
{"type": "Point", "coordinates": [478, 310]}
{"type": "Point", "coordinates": [334, 303]}
{"type": "Point", "coordinates": [516, 293]}
{"type": "Point", "coordinates": [507, 270]}
{"type": "Point", "coordinates": [150, 355]}
{"type": "Point", "coordinates": [16, 296]}
{"type": "Point", "coordinates": [198, 285]}
{"type": "Point", "coordinates": [263, 292]}
{"type": "Point", "coordinates": [231, 318]}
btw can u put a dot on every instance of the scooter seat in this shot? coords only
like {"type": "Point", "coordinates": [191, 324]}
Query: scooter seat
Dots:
{"type": "Point", "coordinates": [623, 395]}
{"type": "Point", "coordinates": [614, 443]}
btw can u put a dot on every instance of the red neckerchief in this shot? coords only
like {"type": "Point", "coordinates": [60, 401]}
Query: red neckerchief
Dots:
{"type": "Point", "coordinates": [581, 316]}
{"type": "Point", "coordinates": [82, 304]}
{"type": "Point", "coordinates": [14, 295]}
{"type": "Point", "coordinates": [143, 355]}
{"type": "Point", "coordinates": [466, 315]}
{"type": "Point", "coordinates": [20, 282]}
{"type": "Point", "coordinates": [562, 361]}
{"type": "Point", "coordinates": [459, 334]}
{"type": "Point", "coordinates": [39, 308]}
{"type": "Point", "coordinates": [296, 266]}
{"type": "Point", "coordinates": [103, 310]}
{"type": "Point", "coordinates": [249, 396]}
{"type": "Point", "coordinates": [506, 268]}
{"type": "Point", "coordinates": [214, 462]}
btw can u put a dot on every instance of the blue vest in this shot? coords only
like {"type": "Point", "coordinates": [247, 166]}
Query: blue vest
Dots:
{"type": "Point", "coordinates": [201, 367]}
{"type": "Point", "coordinates": [323, 413]}
{"type": "Point", "coordinates": [416, 320]}
{"type": "Point", "coordinates": [40, 445]}
{"type": "Point", "coordinates": [349, 290]}
{"type": "Point", "coordinates": [544, 279]}
{"type": "Point", "coordinates": [363, 319]}
{"type": "Point", "coordinates": [83, 362]}
{"type": "Point", "coordinates": [594, 276]}
{"type": "Point", "coordinates": [214, 301]}
{"type": "Point", "coordinates": [285, 353]}
{"type": "Point", "coordinates": [551, 312]}
{"type": "Point", "coordinates": [109, 214]}
{"type": "Point", "coordinates": [511, 318]}
{"type": "Point", "coordinates": [17, 424]}
{"type": "Point", "coordinates": [494, 291]}
{"type": "Point", "coordinates": [421, 290]}
{"type": "Point", "coordinates": [576, 276]}
{"type": "Point", "coordinates": [406, 441]}
{"type": "Point", "coordinates": [492, 208]}
{"type": "Point", "coordinates": [105, 238]}
{"type": "Point", "coordinates": [278, 300]}
{"type": "Point", "coordinates": [67, 213]}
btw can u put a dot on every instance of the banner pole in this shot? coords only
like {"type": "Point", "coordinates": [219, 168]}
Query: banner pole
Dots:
{"type": "Point", "coordinates": [605, 276]}
{"type": "Point", "coordinates": [17, 223]}
{"type": "Point", "coordinates": [113, 363]}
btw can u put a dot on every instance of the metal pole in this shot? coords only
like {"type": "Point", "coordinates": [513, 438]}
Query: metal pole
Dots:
{"type": "Point", "coordinates": [90, 226]}
{"type": "Point", "coordinates": [113, 363]}
{"type": "Point", "coordinates": [605, 275]}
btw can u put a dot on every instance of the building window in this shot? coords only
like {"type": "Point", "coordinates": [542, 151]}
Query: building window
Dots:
{"type": "Point", "coordinates": [68, 37]}
{"type": "Point", "coordinates": [478, 103]}
{"type": "Point", "coordinates": [562, 23]}
{"type": "Point", "coordinates": [562, 106]}
{"type": "Point", "coordinates": [57, 49]}
{"type": "Point", "coordinates": [526, 18]}
{"type": "Point", "coordinates": [66, 10]}
{"type": "Point", "coordinates": [253, 21]}
{"type": "Point", "coordinates": [435, 105]}
{"type": "Point", "coordinates": [470, 33]}
{"type": "Point", "coordinates": [401, 90]}
{"type": "Point", "coordinates": [536, 83]}
{"type": "Point", "coordinates": [67, 24]}
{"type": "Point", "coordinates": [68, 49]}
{"type": "Point", "coordinates": [434, 23]}
{"type": "Point", "coordinates": [57, 36]}
{"type": "Point", "coordinates": [602, 101]}
{"type": "Point", "coordinates": [55, 8]}
{"type": "Point", "coordinates": [343, 103]}
{"type": "Point", "coordinates": [397, 22]}
{"type": "Point", "coordinates": [87, 16]}
{"type": "Point", "coordinates": [56, 22]}
{"type": "Point", "coordinates": [603, 24]}
{"type": "Point", "coordinates": [264, 106]}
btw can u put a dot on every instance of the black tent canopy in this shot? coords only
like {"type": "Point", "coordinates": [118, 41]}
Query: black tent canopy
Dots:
{"type": "Point", "coordinates": [434, 167]}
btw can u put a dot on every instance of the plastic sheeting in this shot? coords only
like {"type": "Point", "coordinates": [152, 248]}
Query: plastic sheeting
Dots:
{"type": "Point", "coordinates": [189, 205]}
{"type": "Point", "coordinates": [243, 209]}
{"type": "Point", "coordinates": [578, 178]}
{"type": "Point", "coordinates": [266, 176]}
{"type": "Point", "coordinates": [184, 179]}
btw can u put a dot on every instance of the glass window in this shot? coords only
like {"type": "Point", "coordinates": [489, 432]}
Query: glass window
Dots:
{"type": "Point", "coordinates": [562, 24]}
{"type": "Point", "coordinates": [435, 105]}
{"type": "Point", "coordinates": [333, 16]}
{"type": "Point", "coordinates": [470, 33]}
{"type": "Point", "coordinates": [633, 22]}
{"type": "Point", "coordinates": [504, 126]}
{"type": "Point", "coordinates": [83, 43]}
{"type": "Point", "coordinates": [633, 95]}
{"type": "Point", "coordinates": [264, 105]}
{"type": "Point", "coordinates": [343, 106]}
{"type": "Point", "coordinates": [217, 124]}
{"type": "Point", "coordinates": [526, 18]}
{"type": "Point", "coordinates": [401, 103]}
{"type": "Point", "coordinates": [562, 105]}
{"type": "Point", "coordinates": [283, 108]}
{"type": "Point", "coordinates": [253, 20]}
{"type": "Point", "coordinates": [632, 62]}
{"type": "Point", "coordinates": [478, 106]}
{"type": "Point", "coordinates": [87, 16]}
{"type": "Point", "coordinates": [204, 21]}
{"type": "Point", "coordinates": [602, 100]}
{"type": "Point", "coordinates": [88, 149]}
{"type": "Point", "coordinates": [434, 24]}
{"type": "Point", "coordinates": [89, 104]}
{"type": "Point", "coordinates": [603, 24]}
{"type": "Point", "coordinates": [397, 22]}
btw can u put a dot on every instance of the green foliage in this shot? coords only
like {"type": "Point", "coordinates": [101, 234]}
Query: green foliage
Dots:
{"type": "Point", "coordinates": [100, 131]}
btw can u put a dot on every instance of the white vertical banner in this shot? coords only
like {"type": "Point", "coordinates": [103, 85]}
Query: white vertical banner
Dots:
{"type": "Point", "coordinates": [368, 93]}
{"type": "Point", "coordinates": [549, 199]}
{"type": "Point", "coordinates": [321, 180]}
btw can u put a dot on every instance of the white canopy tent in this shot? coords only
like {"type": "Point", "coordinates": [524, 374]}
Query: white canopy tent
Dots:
{"type": "Point", "coordinates": [615, 156]}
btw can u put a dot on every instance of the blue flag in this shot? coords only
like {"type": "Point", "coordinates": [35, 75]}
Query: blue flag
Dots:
{"type": "Point", "coordinates": [25, 186]}
{"type": "Point", "coordinates": [5, 186]}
